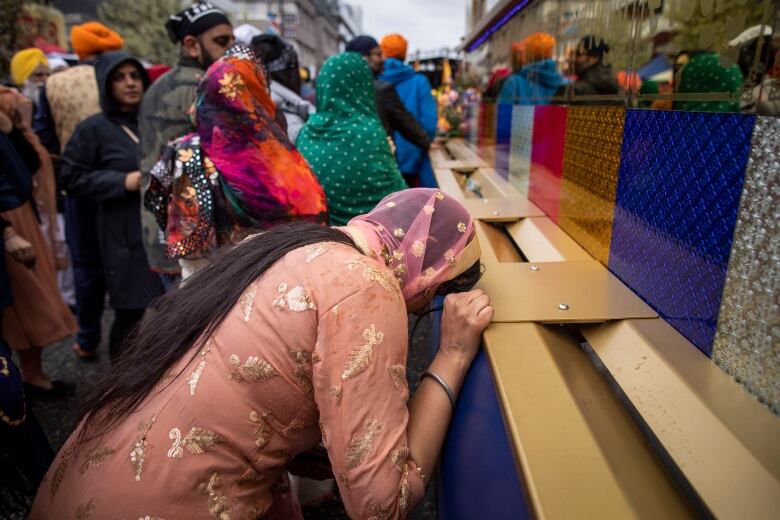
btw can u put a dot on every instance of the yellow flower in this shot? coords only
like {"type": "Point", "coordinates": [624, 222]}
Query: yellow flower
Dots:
{"type": "Point", "coordinates": [231, 85]}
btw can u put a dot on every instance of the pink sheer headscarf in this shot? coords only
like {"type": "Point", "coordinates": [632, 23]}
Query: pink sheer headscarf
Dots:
{"type": "Point", "coordinates": [425, 237]}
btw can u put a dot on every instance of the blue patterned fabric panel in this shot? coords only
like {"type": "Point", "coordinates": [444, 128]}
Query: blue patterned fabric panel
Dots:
{"type": "Point", "coordinates": [680, 180]}
{"type": "Point", "coordinates": [503, 136]}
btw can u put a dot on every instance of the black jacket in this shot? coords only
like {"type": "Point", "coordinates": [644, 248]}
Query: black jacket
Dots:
{"type": "Point", "coordinates": [395, 117]}
{"type": "Point", "coordinates": [96, 160]}
{"type": "Point", "coordinates": [598, 79]}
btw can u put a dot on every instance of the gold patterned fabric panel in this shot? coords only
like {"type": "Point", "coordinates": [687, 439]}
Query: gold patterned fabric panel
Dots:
{"type": "Point", "coordinates": [747, 340]}
{"type": "Point", "coordinates": [591, 160]}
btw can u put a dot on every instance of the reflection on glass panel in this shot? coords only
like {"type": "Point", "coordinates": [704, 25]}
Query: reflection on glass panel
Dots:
{"type": "Point", "coordinates": [693, 55]}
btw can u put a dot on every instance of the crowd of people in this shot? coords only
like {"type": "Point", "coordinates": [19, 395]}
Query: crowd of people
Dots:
{"type": "Point", "coordinates": [535, 76]}
{"type": "Point", "coordinates": [249, 337]}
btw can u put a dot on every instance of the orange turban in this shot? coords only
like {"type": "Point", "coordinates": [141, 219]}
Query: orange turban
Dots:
{"type": "Point", "coordinates": [25, 62]}
{"type": "Point", "coordinates": [539, 46]}
{"type": "Point", "coordinates": [94, 38]}
{"type": "Point", "coordinates": [394, 46]}
{"type": "Point", "coordinates": [518, 54]}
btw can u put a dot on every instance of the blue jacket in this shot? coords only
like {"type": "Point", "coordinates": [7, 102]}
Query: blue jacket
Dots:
{"type": "Point", "coordinates": [533, 84]}
{"type": "Point", "coordinates": [415, 93]}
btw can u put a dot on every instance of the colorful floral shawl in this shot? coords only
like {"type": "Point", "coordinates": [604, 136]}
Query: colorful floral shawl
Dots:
{"type": "Point", "coordinates": [345, 143]}
{"type": "Point", "coordinates": [238, 171]}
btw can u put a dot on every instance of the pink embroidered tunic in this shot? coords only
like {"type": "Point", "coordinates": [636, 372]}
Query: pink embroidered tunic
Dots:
{"type": "Point", "coordinates": [314, 351]}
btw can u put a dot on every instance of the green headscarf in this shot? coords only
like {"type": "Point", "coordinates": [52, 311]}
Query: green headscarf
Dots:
{"type": "Point", "coordinates": [344, 142]}
{"type": "Point", "coordinates": [704, 74]}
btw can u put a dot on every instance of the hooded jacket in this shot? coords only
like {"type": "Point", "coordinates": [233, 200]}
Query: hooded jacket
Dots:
{"type": "Point", "coordinates": [532, 84]}
{"type": "Point", "coordinates": [415, 93]}
{"type": "Point", "coordinates": [98, 157]}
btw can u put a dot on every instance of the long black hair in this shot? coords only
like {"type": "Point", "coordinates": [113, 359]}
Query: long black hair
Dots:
{"type": "Point", "coordinates": [183, 319]}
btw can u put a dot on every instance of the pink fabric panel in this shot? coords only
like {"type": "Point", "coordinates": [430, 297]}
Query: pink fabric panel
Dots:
{"type": "Point", "coordinates": [549, 136]}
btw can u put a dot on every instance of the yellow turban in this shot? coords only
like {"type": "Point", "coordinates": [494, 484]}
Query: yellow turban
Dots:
{"type": "Point", "coordinates": [94, 38]}
{"type": "Point", "coordinates": [25, 62]}
{"type": "Point", "coordinates": [394, 46]}
{"type": "Point", "coordinates": [539, 46]}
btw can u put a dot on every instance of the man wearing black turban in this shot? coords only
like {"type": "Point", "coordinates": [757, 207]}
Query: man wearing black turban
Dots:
{"type": "Point", "coordinates": [204, 34]}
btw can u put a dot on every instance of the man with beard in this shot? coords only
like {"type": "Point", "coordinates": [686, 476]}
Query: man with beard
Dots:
{"type": "Point", "coordinates": [204, 33]}
{"type": "Point", "coordinates": [594, 77]}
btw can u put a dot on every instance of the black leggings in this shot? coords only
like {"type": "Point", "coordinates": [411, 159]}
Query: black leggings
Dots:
{"type": "Point", "coordinates": [124, 321]}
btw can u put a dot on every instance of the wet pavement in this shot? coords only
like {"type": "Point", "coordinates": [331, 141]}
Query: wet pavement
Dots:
{"type": "Point", "coordinates": [59, 418]}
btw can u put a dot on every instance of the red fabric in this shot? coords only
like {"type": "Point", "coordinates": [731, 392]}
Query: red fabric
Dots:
{"type": "Point", "coordinates": [155, 71]}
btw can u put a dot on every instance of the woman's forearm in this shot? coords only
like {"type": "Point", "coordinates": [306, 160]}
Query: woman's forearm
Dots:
{"type": "Point", "coordinates": [430, 411]}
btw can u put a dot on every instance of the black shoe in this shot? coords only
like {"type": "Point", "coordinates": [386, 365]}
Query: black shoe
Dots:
{"type": "Point", "coordinates": [58, 390]}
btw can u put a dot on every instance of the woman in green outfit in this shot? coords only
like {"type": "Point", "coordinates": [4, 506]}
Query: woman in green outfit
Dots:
{"type": "Point", "coordinates": [344, 142]}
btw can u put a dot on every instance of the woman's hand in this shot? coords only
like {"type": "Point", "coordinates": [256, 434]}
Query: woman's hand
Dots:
{"type": "Point", "coordinates": [133, 181]}
{"type": "Point", "coordinates": [465, 316]}
{"type": "Point", "coordinates": [19, 249]}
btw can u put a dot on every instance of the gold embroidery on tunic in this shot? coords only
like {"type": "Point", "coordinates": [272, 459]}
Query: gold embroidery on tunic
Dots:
{"type": "Point", "coordinates": [138, 453]}
{"type": "Point", "coordinates": [323, 437]}
{"type": "Point", "coordinates": [59, 472]}
{"type": "Point", "coordinates": [261, 433]}
{"type": "Point", "coordinates": [254, 369]}
{"type": "Point", "coordinates": [428, 209]}
{"type": "Point", "coordinates": [247, 300]}
{"type": "Point", "coordinates": [303, 372]}
{"type": "Point", "coordinates": [372, 274]}
{"type": "Point", "coordinates": [248, 477]}
{"type": "Point", "coordinates": [344, 480]}
{"type": "Point", "coordinates": [398, 254]}
{"type": "Point", "coordinates": [314, 251]}
{"type": "Point", "coordinates": [378, 512]}
{"type": "Point", "coordinates": [418, 248]}
{"type": "Point", "coordinates": [400, 457]}
{"type": "Point", "coordinates": [359, 448]}
{"type": "Point", "coordinates": [255, 512]}
{"type": "Point", "coordinates": [315, 358]}
{"type": "Point", "coordinates": [439, 195]}
{"type": "Point", "coordinates": [295, 426]}
{"type": "Point", "coordinates": [360, 359]}
{"type": "Point", "coordinates": [398, 375]}
{"type": "Point", "coordinates": [405, 493]}
{"type": "Point", "coordinates": [335, 310]}
{"type": "Point", "coordinates": [4, 370]}
{"type": "Point", "coordinates": [197, 441]}
{"type": "Point", "coordinates": [296, 299]}
{"type": "Point", "coordinates": [206, 348]}
{"type": "Point", "coordinates": [335, 391]}
{"type": "Point", "coordinates": [95, 457]}
{"type": "Point", "coordinates": [147, 517]}
{"type": "Point", "coordinates": [84, 511]}
{"type": "Point", "coordinates": [192, 381]}
{"type": "Point", "coordinates": [461, 227]}
{"type": "Point", "coordinates": [218, 504]}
